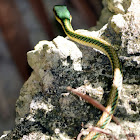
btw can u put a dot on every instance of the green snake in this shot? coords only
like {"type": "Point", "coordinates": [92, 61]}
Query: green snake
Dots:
{"type": "Point", "coordinates": [64, 18]}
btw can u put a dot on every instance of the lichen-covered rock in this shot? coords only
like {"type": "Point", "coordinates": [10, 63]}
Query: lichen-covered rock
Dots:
{"type": "Point", "coordinates": [46, 110]}
{"type": "Point", "coordinates": [118, 6]}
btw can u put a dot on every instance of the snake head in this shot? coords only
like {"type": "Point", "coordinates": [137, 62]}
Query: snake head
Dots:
{"type": "Point", "coordinates": [61, 13]}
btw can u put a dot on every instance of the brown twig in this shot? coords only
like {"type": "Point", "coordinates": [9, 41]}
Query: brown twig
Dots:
{"type": "Point", "coordinates": [99, 130]}
{"type": "Point", "coordinates": [93, 102]}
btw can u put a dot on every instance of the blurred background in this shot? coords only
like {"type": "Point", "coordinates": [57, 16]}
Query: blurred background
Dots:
{"type": "Point", "coordinates": [23, 23]}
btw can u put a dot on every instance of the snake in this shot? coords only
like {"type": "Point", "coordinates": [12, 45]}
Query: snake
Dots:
{"type": "Point", "coordinates": [63, 16]}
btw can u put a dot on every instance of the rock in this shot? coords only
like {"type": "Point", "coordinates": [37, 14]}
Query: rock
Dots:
{"type": "Point", "coordinates": [46, 110]}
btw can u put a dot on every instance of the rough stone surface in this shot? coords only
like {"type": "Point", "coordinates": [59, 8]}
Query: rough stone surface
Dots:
{"type": "Point", "coordinates": [46, 110]}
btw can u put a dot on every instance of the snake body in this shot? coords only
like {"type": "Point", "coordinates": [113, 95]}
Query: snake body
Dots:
{"type": "Point", "coordinates": [64, 18]}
